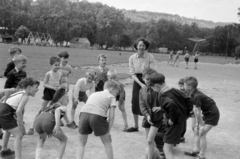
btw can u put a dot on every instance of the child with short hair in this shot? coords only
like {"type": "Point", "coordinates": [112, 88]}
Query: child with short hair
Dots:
{"type": "Point", "coordinates": [18, 73]}
{"type": "Point", "coordinates": [100, 73]}
{"type": "Point", "coordinates": [196, 56]}
{"type": "Point", "coordinates": [13, 51]}
{"type": "Point", "coordinates": [48, 124]}
{"type": "Point", "coordinates": [207, 116]}
{"type": "Point", "coordinates": [112, 75]}
{"type": "Point", "coordinates": [186, 58]}
{"type": "Point", "coordinates": [170, 58]}
{"type": "Point", "coordinates": [176, 59]}
{"type": "Point", "coordinates": [176, 106]}
{"type": "Point", "coordinates": [79, 93]}
{"type": "Point", "coordinates": [11, 116]}
{"type": "Point", "coordinates": [93, 118]}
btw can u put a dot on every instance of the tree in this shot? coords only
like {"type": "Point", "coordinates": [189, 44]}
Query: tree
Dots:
{"type": "Point", "coordinates": [22, 33]}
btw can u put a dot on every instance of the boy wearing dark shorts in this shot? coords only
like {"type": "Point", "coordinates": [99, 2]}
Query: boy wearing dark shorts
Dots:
{"type": "Point", "coordinates": [186, 58]}
{"type": "Point", "coordinates": [93, 118]}
{"type": "Point", "coordinates": [207, 116]}
{"type": "Point", "coordinates": [176, 107]}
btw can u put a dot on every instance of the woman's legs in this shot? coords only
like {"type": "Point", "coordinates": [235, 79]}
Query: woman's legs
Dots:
{"type": "Point", "coordinates": [63, 142]}
{"type": "Point", "coordinates": [106, 140]}
{"type": "Point", "coordinates": [135, 117]}
{"type": "Point", "coordinates": [81, 147]}
{"type": "Point", "coordinates": [150, 140]}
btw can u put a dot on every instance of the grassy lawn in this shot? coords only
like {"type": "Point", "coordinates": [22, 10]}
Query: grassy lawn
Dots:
{"type": "Point", "coordinates": [38, 58]}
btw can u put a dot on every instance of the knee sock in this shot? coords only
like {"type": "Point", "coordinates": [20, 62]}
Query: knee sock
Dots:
{"type": "Point", "coordinates": [38, 153]}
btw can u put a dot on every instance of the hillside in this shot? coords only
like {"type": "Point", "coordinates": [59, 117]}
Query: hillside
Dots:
{"type": "Point", "coordinates": [144, 16]}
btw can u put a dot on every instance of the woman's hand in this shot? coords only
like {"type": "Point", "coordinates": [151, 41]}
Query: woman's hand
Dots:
{"type": "Point", "coordinates": [156, 109]}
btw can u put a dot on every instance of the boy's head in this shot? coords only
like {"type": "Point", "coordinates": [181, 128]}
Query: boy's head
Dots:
{"type": "Point", "coordinates": [112, 86]}
{"type": "Point", "coordinates": [13, 51]}
{"type": "Point", "coordinates": [102, 60]}
{"type": "Point", "coordinates": [89, 76]}
{"type": "Point", "coordinates": [181, 84]}
{"type": "Point", "coordinates": [30, 85]}
{"type": "Point", "coordinates": [20, 61]}
{"type": "Point", "coordinates": [157, 81]}
{"type": "Point", "coordinates": [146, 73]}
{"type": "Point", "coordinates": [63, 55]}
{"type": "Point", "coordinates": [112, 75]}
{"type": "Point", "coordinates": [190, 83]}
{"type": "Point", "coordinates": [64, 100]}
{"type": "Point", "coordinates": [55, 63]}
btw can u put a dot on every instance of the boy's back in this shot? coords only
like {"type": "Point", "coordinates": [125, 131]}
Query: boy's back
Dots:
{"type": "Point", "coordinates": [10, 67]}
{"type": "Point", "coordinates": [14, 77]}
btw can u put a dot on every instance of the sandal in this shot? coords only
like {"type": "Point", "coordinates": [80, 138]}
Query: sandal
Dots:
{"type": "Point", "coordinates": [191, 153]}
{"type": "Point", "coordinates": [132, 129]}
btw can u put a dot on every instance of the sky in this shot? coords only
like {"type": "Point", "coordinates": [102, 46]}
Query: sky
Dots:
{"type": "Point", "coordinates": [213, 10]}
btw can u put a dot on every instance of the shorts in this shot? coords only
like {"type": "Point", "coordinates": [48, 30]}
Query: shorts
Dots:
{"type": "Point", "coordinates": [195, 60]}
{"type": "Point", "coordinates": [173, 133]}
{"type": "Point", "coordinates": [45, 123]}
{"type": "Point", "coordinates": [7, 117]}
{"type": "Point", "coordinates": [99, 86]}
{"type": "Point", "coordinates": [186, 59]}
{"type": "Point", "coordinates": [89, 123]}
{"type": "Point", "coordinates": [48, 94]}
{"type": "Point", "coordinates": [146, 124]}
{"type": "Point", "coordinates": [82, 97]}
{"type": "Point", "coordinates": [212, 118]}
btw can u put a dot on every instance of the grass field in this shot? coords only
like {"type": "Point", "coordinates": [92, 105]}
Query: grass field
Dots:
{"type": "Point", "coordinates": [38, 58]}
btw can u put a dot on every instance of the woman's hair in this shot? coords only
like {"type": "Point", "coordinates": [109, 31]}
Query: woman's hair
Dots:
{"type": "Point", "coordinates": [111, 85]}
{"type": "Point", "coordinates": [191, 81]}
{"type": "Point", "coordinates": [29, 81]}
{"type": "Point", "coordinates": [148, 71]}
{"type": "Point", "coordinates": [156, 79]}
{"type": "Point", "coordinates": [19, 58]}
{"type": "Point", "coordinates": [53, 59]}
{"type": "Point", "coordinates": [103, 56]}
{"type": "Point", "coordinates": [63, 54]}
{"type": "Point", "coordinates": [146, 43]}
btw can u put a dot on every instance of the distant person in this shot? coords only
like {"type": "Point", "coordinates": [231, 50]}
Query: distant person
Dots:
{"type": "Point", "coordinates": [170, 58]}
{"type": "Point", "coordinates": [176, 59]}
{"type": "Point", "coordinates": [207, 116]}
{"type": "Point", "coordinates": [100, 73]}
{"type": "Point", "coordinates": [93, 117]}
{"type": "Point", "coordinates": [186, 58]}
{"type": "Point", "coordinates": [137, 63]}
{"type": "Point", "coordinates": [13, 51]}
{"type": "Point", "coordinates": [196, 57]}
{"type": "Point", "coordinates": [18, 73]}
{"type": "Point", "coordinates": [120, 98]}
{"type": "Point", "coordinates": [79, 93]}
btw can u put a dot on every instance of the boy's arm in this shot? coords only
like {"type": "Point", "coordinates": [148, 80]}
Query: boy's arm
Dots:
{"type": "Point", "coordinates": [10, 66]}
{"type": "Point", "coordinates": [56, 129]}
{"type": "Point", "coordinates": [142, 106]}
{"type": "Point", "coordinates": [171, 109]}
{"type": "Point", "coordinates": [111, 117]}
{"type": "Point", "coordinates": [19, 112]}
{"type": "Point", "coordinates": [198, 112]}
{"type": "Point", "coordinates": [76, 90]}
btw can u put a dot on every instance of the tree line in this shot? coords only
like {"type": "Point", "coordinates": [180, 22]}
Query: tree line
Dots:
{"type": "Point", "coordinates": [109, 28]}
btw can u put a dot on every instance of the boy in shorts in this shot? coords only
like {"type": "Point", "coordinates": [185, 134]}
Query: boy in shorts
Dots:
{"type": "Point", "coordinates": [186, 58]}
{"type": "Point", "coordinates": [207, 116]}
{"type": "Point", "coordinates": [79, 93]}
{"type": "Point", "coordinates": [100, 73]}
{"type": "Point", "coordinates": [93, 118]}
{"type": "Point", "coordinates": [176, 106]}
{"type": "Point", "coordinates": [196, 56]}
{"type": "Point", "coordinates": [112, 75]}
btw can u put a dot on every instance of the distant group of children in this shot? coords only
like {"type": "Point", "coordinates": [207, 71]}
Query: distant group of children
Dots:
{"type": "Point", "coordinates": [174, 60]}
{"type": "Point", "coordinates": [165, 109]}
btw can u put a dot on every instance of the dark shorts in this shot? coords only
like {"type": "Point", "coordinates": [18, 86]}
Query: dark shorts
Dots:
{"type": "Point", "coordinates": [89, 123]}
{"type": "Point", "coordinates": [58, 94]}
{"type": "Point", "coordinates": [82, 97]}
{"type": "Point", "coordinates": [45, 123]}
{"type": "Point", "coordinates": [212, 118]}
{"type": "Point", "coordinates": [7, 117]}
{"type": "Point", "coordinates": [146, 124]}
{"type": "Point", "coordinates": [186, 59]}
{"type": "Point", "coordinates": [99, 86]}
{"type": "Point", "coordinates": [195, 60]}
{"type": "Point", "coordinates": [173, 133]}
{"type": "Point", "coordinates": [48, 94]}
{"type": "Point", "coordinates": [135, 95]}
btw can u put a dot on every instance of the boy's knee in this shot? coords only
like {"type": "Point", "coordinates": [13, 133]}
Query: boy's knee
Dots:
{"type": "Point", "coordinates": [150, 142]}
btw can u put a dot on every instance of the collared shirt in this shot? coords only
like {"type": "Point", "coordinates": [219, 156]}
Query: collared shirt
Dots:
{"type": "Point", "coordinates": [83, 86]}
{"type": "Point", "coordinates": [138, 64]}
{"type": "Point", "coordinates": [99, 103]}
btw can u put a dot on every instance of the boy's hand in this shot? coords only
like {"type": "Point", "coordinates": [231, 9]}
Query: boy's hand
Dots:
{"type": "Point", "coordinates": [170, 122]}
{"type": "Point", "coordinates": [56, 130]}
{"type": "Point", "coordinates": [22, 128]}
{"type": "Point", "coordinates": [156, 109]}
{"type": "Point", "coordinates": [149, 120]}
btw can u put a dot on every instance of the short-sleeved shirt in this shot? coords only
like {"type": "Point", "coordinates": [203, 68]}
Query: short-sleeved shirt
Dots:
{"type": "Point", "coordinates": [15, 99]}
{"type": "Point", "coordinates": [138, 64]}
{"type": "Point", "coordinates": [99, 103]}
{"type": "Point", "coordinates": [204, 102]}
{"type": "Point", "coordinates": [83, 86]}
{"type": "Point", "coordinates": [14, 77]}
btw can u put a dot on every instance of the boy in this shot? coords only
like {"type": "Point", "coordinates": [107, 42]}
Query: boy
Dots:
{"type": "Point", "coordinates": [79, 93]}
{"type": "Point", "coordinates": [186, 58]}
{"type": "Point", "coordinates": [207, 116]}
{"type": "Point", "coordinates": [13, 51]}
{"type": "Point", "coordinates": [196, 59]}
{"type": "Point", "coordinates": [18, 73]}
{"type": "Point", "coordinates": [176, 107]}
{"type": "Point", "coordinates": [176, 60]}
{"type": "Point", "coordinates": [100, 73]}
{"type": "Point", "coordinates": [11, 116]}
{"type": "Point", "coordinates": [48, 124]}
{"type": "Point", "coordinates": [112, 75]}
{"type": "Point", "coordinates": [93, 118]}
{"type": "Point", "coordinates": [170, 58]}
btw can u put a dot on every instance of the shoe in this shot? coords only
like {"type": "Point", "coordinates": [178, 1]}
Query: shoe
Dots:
{"type": "Point", "coordinates": [191, 153]}
{"type": "Point", "coordinates": [182, 139]}
{"type": "Point", "coordinates": [71, 126]}
{"type": "Point", "coordinates": [30, 131]}
{"type": "Point", "coordinates": [132, 129]}
{"type": "Point", "coordinates": [1, 136]}
{"type": "Point", "coordinates": [7, 152]}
